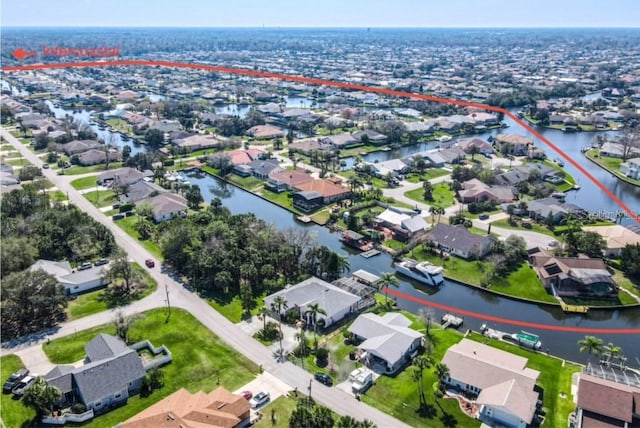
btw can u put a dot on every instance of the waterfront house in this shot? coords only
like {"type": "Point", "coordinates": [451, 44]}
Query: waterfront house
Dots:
{"type": "Point", "coordinates": [329, 191]}
{"type": "Point", "coordinates": [388, 341]}
{"type": "Point", "coordinates": [262, 168]}
{"type": "Point", "coordinates": [374, 137]}
{"type": "Point", "coordinates": [604, 403]}
{"type": "Point", "coordinates": [514, 144]}
{"type": "Point", "coordinates": [96, 157]}
{"type": "Point", "coordinates": [631, 168]}
{"type": "Point", "coordinates": [482, 146]}
{"type": "Point", "coordinates": [195, 142]}
{"type": "Point", "coordinates": [573, 276]}
{"type": "Point", "coordinates": [336, 302]}
{"type": "Point", "coordinates": [307, 200]}
{"type": "Point", "coordinates": [340, 141]}
{"type": "Point", "coordinates": [281, 181]}
{"type": "Point", "coordinates": [616, 237]}
{"type": "Point", "coordinates": [140, 190]}
{"type": "Point", "coordinates": [122, 176]}
{"type": "Point", "coordinates": [475, 190]}
{"type": "Point", "coordinates": [78, 146]}
{"type": "Point", "coordinates": [457, 240]}
{"type": "Point", "coordinates": [216, 409]}
{"type": "Point", "coordinates": [501, 382]}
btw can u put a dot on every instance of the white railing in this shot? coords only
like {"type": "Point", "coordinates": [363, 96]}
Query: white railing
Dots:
{"type": "Point", "coordinates": [68, 417]}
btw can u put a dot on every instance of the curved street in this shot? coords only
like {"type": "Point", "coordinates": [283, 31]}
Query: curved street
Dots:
{"type": "Point", "coordinates": [294, 376]}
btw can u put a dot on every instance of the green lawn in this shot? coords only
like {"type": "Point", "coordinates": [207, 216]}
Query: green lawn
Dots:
{"type": "Point", "coordinates": [84, 183]}
{"type": "Point", "coordinates": [280, 409]}
{"type": "Point", "coordinates": [199, 358]}
{"type": "Point", "coordinates": [12, 412]}
{"type": "Point", "coordinates": [504, 224]}
{"type": "Point", "coordinates": [520, 283]}
{"type": "Point", "coordinates": [555, 378]}
{"type": "Point", "coordinates": [128, 225]}
{"type": "Point", "coordinates": [77, 169]}
{"type": "Point", "coordinates": [232, 310]}
{"type": "Point", "coordinates": [282, 199]}
{"type": "Point", "coordinates": [339, 365]}
{"type": "Point", "coordinates": [250, 183]}
{"type": "Point", "coordinates": [613, 164]}
{"type": "Point", "coordinates": [101, 198]}
{"type": "Point", "coordinates": [398, 395]}
{"type": "Point", "coordinates": [625, 282]}
{"type": "Point", "coordinates": [17, 162]}
{"type": "Point", "coordinates": [443, 196]}
{"type": "Point", "coordinates": [94, 302]}
{"type": "Point", "coordinates": [427, 174]}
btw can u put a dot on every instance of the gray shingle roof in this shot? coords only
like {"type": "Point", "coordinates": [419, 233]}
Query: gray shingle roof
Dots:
{"type": "Point", "coordinates": [104, 346]}
{"type": "Point", "coordinates": [457, 237]}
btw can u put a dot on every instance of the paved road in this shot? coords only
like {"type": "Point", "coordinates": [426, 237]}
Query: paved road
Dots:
{"type": "Point", "coordinates": [289, 373]}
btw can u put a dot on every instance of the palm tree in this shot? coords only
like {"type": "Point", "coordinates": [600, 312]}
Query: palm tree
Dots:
{"type": "Point", "coordinates": [313, 310]}
{"type": "Point", "coordinates": [354, 183]}
{"type": "Point", "coordinates": [591, 344]}
{"type": "Point", "coordinates": [262, 314]}
{"type": "Point", "coordinates": [473, 151]}
{"type": "Point", "coordinates": [442, 371]}
{"type": "Point", "coordinates": [41, 397]}
{"type": "Point", "coordinates": [420, 363]}
{"type": "Point", "coordinates": [279, 304]}
{"type": "Point", "coordinates": [387, 279]}
{"type": "Point", "coordinates": [611, 351]}
{"type": "Point", "coordinates": [432, 211]}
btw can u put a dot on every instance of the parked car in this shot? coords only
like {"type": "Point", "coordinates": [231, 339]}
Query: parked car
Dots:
{"type": "Point", "coordinates": [101, 262]}
{"type": "Point", "coordinates": [260, 399]}
{"type": "Point", "coordinates": [13, 380]}
{"type": "Point", "coordinates": [247, 395]}
{"type": "Point", "coordinates": [85, 266]}
{"type": "Point", "coordinates": [23, 385]}
{"type": "Point", "coordinates": [45, 166]}
{"type": "Point", "coordinates": [324, 378]}
{"type": "Point", "coordinates": [150, 263]}
{"type": "Point", "coordinates": [484, 217]}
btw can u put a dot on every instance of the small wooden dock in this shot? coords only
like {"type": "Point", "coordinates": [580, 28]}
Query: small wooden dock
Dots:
{"type": "Point", "coordinates": [304, 219]}
{"type": "Point", "coordinates": [450, 320]}
{"type": "Point", "coordinates": [370, 253]}
{"type": "Point", "coordinates": [574, 308]}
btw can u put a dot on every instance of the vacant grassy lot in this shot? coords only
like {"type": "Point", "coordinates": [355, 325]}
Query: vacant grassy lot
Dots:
{"type": "Point", "coordinates": [13, 412]}
{"type": "Point", "coordinates": [128, 225]}
{"type": "Point", "coordinates": [101, 198]}
{"type": "Point", "coordinates": [443, 196]}
{"type": "Point", "coordinates": [77, 169]}
{"type": "Point", "coordinates": [199, 357]}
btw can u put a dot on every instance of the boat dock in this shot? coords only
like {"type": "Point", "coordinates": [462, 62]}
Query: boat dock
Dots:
{"type": "Point", "coordinates": [450, 320]}
{"type": "Point", "coordinates": [303, 219]}
{"type": "Point", "coordinates": [574, 308]}
{"type": "Point", "coordinates": [370, 253]}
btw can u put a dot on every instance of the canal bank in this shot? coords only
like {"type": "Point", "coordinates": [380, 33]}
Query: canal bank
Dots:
{"type": "Point", "coordinates": [451, 295]}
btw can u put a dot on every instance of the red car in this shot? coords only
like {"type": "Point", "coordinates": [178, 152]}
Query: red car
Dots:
{"type": "Point", "coordinates": [247, 395]}
{"type": "Point", "coordinates": [150, 263]}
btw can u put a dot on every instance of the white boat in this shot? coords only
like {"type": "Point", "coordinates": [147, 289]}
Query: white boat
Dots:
{"type": "Point", "coordinates": [424, 272]}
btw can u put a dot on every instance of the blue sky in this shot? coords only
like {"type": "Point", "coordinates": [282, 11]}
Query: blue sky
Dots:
{"type": "Point", "coordinates": [323, 13]}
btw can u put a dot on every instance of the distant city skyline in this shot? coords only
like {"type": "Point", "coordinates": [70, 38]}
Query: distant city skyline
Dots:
{"type": "Point", "coordinates": [328, 13]}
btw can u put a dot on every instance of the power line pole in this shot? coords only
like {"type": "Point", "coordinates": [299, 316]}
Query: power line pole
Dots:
{"type": "Point", "coordinates": [166, 287]}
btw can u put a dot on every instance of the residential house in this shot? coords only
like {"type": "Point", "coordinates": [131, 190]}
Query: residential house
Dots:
{"type": "Point", "coordinates": [387, 340]}
{"type": "Point", "coordinates": [573, 276]}
{"type": "Point", "coordinates": [421, 128]}
{"type": "Point", "coordinates": [73, 281]}
{"type": "Point", "coordinates": [631, 168]}
{"type": "Point", "coordinates": [78, 146]}
{"type": "Point", "coordinates": [122, 177]}
{"type": "Point", "coordinates": [514, 144]}
{"type": "Point", "coordinates": [604, 403]}
{"type": "Point", "coordinates": [403, 223]}
{"type": "Point", "coordinates": [281, 181]}
{"type": "Point", "coordinates": [182, 409]}
{"type": "Point", "coordinates": [305, 147]}
{"type": "Point", "coordinates": [501, 382]}
{"type": "Point", "coordinates": [7, 177]}
{"type": "Point", "coordinates": [265, 132]}
{"type": "Point", "coordinates": [166, 206]}
{"type": "Point", "coordinates": [617, 150]}
{"type": "Point", "coordinates": [307, 200]}
{"type": "Point", "coordinates": [262, 168]}
{"type": "Point", "coordinates": [457, 240]}
{"type": "Point", "coordinates": [140, 190]}
{"type": "Point", "coordinates": [543, 209]}
{"type": "Point", "coordinates": [616, 237]}
{"type": "Point", "coordinates": [374, 137]}
{"type": "Point", "coordinates": [521, 173]}
{"type": "Point", "coordinates": [394, 167]}
{"type": "Point", "coordinates": [440, 157]}
{"type": "Point", "coordinates": [340, 141]}
{"type": "Point", "coordinates": [336, 302]}
{"type": "Point", "coordinates": [112, 372]}
{"type": "Point", "coordinates": [330, 192]}
{"type": "Point", "coordinates": [196, 142]}
{"type": "Point", "coordinates": [96, 157]}
{"type": "Point", "coordinates": [481, 145]}
{"type": "Point", "coordinates": [475, 190]}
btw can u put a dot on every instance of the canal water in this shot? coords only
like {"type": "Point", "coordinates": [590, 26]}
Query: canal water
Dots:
{"type": "Point", "coordinates": [450, 294]}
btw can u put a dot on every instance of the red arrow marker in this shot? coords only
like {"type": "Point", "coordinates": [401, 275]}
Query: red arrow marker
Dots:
{"type": "Point", "coordinates": [22, 54]}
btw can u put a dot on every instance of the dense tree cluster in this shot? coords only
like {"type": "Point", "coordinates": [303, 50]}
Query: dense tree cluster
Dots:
{"type": "Point", "coordinates": [630, 260]}
{"type": "Point", "coordinates": [310, 414]}
{"type": "Point", "coordinates": [218, 251]}
{"type": "Point", "coordinates": [32, 229]}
